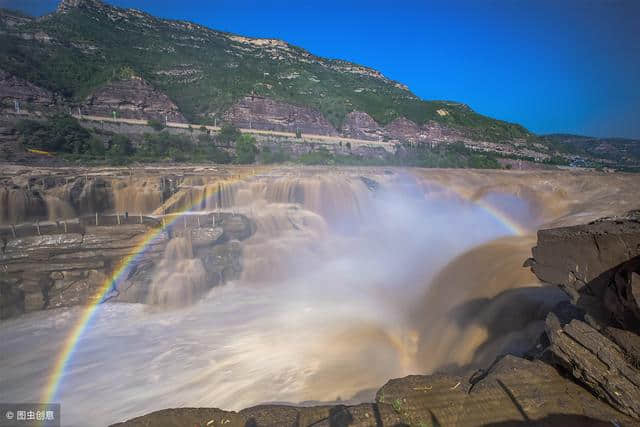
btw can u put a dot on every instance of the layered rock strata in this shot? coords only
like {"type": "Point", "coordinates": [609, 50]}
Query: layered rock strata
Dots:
{"type": "Point", "coordinates": [19, 94]}
{"type": "Point", "coordinates": [132, 98]}
{"type": "Point", "coordinates": [598, 344]}
{"type": "Point", "coordinates": [513, 391]}
{"type": "Point", "coordinates": [268, 114]}
{"type": "Point", "coordinates": [66, 264]}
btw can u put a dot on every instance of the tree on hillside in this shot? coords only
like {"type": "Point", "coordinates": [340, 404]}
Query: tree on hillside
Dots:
{"type": "Point", "coordinates": [121, 146]}
{"type": "Point", "coordinates": [61, 133]}
{"type": "Point", "coordinates": [246, 149]}
{"type": "Point", "coordinates": [228, 134]}
{"type": "Point", "coordinates": [157, 125]}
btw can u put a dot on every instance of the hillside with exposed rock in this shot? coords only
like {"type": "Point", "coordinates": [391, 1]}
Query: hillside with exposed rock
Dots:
{"type": "Point", "coordinates": [86, 44]}
{"type": "Point", "coordinates": [132, 98]}
{"type": "Point", "coordinates": [94, 59]}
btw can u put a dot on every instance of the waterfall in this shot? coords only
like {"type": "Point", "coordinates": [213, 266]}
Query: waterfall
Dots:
{"type": "Point", "coordinates": [179, 279]}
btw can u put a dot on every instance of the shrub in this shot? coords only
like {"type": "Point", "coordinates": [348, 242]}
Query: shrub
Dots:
{"type": "Point", "coordinates": [164, 144]}
{"type": "Point", "coordinates": [120, 146]}
{"type": "Point", "coordinates": [157, 125]}
{"type": "Point", "coordinates": [61, 133]}
{"type": "Point", "coordinates": [96, 146]}
{"type": "Point", "coordinates": [320, 157]}
{"type": "Point", "coordinates": [246, 149]}
{"type": "Point", "coordinates": [269, 157]}
{"type": "Point", "coordinates": [228, 134]}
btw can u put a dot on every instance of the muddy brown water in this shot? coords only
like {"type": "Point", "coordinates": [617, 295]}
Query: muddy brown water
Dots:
{"type": "Point", "coordinates": [344, 286]}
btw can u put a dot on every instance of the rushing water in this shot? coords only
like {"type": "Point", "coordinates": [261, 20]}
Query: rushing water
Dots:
{"type": "Point", "coordinates": [334, 301]}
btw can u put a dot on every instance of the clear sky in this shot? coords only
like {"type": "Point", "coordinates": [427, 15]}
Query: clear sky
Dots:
{"type": "Point", "coordinates": [552, 65]}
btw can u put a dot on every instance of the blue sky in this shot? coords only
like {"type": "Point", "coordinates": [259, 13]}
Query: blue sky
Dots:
{"type": "Point", "coordinates": [552, 65]}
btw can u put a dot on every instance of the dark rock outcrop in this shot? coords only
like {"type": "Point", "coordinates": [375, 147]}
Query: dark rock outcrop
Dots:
{"type": "Point", "coordinates": [513, 391]}
{"type": "Point", "coordinates": [268, 114]}
{"type": "Point", "coordinates": [366, 414]}
{"type": "Point", "coordinates": [132, 98]}
{"type": "Point", "coordinates": [57, 269]}
{"type": "Point", "coordinates": [597, 362]}
{"type": "Point", "coordinates": [589, 262]}
{"type": "Point", "coordinates": [598, 265]}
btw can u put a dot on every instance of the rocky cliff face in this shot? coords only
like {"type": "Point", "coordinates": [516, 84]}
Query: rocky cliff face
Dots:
{"type": "Point", "coordinates": [132, 98]}
{"type": "Point", "coordinates": [403, 129]}
{"type": "Point", "coordinates": [360, 125]}
{"type": "Point", "coordinates": [66, 264]}
{"type": "Point", "coordinates": [585, 259]}
{"type": "Point", "coordinates": [29, 96]}
{"type": "Point", "coordinates": [597, 340]}
{"type": "Point", "coordinates": [268, 114]}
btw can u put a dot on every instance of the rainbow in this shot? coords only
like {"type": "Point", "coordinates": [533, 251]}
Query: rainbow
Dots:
{"type": "Point", "coordinates": [122, 270]}
{"type": "Point", "coordinates": [513, 226]}
{"type": "Point", "coordinates": [125, 266]}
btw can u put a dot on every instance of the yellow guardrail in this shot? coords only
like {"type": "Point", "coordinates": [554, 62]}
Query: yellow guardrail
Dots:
{"type": "Point", "coordinates": [41, 152]}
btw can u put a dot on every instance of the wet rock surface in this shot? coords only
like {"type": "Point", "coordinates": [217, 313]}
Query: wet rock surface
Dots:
{"type": "Point", "coordinates": [597, 362]}
{"type": "Point", "coordinates": [513, 391]}
{"type": "Point", "coordinates": [46, 267]}
{"type": "Point", "coordinates": [598, 344]}
{"type": "Point", "coordinates": [584, 259]}
{"type": "Point", "coordinates": [366, 414]}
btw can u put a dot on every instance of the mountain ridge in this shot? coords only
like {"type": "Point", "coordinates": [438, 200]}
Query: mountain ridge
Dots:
{"type": "Point", "coordinates": [264, 67]}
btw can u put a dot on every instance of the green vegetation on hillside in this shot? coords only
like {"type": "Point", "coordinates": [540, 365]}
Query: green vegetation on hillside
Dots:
{"type": "Point", "coordinates": [446, 156]}
{"type": "Point", "coordinates": [246, 150]}
{"type": "Point", "coordinates": [205, 71]}
{"type": "Point", "coordinates": [63, 135]}
{"type": "Point", "coordinates": [455, 155]}
{"type": "Point", "coordinates": [616, 149]}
